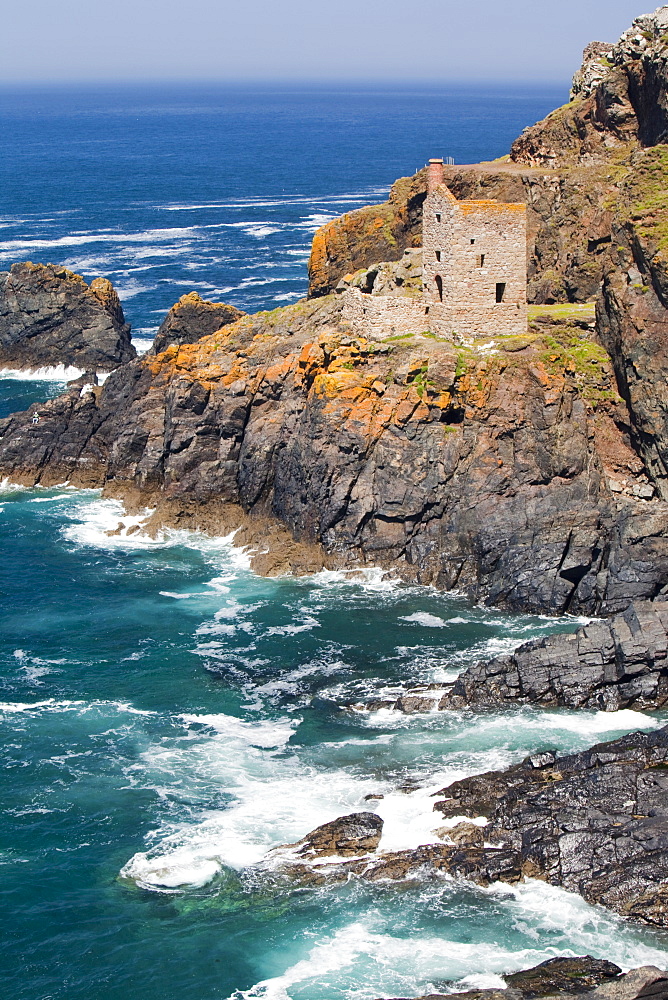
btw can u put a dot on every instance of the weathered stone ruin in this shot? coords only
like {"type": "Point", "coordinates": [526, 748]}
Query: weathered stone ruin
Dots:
{"type": "Point", "coordinates": [474, 273]}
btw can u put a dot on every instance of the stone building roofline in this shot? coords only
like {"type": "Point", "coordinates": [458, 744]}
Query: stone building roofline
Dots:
{"type": "Point", "coordinates": [436, 185]}
{"type": "Point", "coordinates": [478, 205]}
{"type": "Point", "coordinates": [469, 207]}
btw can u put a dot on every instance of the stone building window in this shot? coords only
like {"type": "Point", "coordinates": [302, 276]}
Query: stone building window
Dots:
{"type": "Point", "coordinates": [439, 287]}
{"type": "Point", "coordinates": [438, 255]}
{"type": "Point", "coordinates": [500, 291]}
{"type": "Point", "coordinates": [480, 260]}
{"type": "Point", "coordinates": [472, 242]}
{"type": "Point", "coordinates": [438, 216]}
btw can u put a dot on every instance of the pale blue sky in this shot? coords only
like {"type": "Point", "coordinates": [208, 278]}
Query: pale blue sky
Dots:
{"type": "Point", "coordinates": [116, 40]}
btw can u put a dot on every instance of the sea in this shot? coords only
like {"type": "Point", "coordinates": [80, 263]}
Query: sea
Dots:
{"type": "Point", "coordinates": [168, 717]}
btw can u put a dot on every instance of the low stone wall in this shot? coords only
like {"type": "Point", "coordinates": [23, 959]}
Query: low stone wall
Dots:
{"type": "Point", "coordinates": [471, 323]}
{"type": "Point", "coordinates": [379, 316]}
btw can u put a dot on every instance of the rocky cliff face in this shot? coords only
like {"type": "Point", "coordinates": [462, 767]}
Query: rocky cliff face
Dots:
{"type": "Point", "coordinates": [618, 96]}
{"type": "Point", "coordinates": [485, 469]}
{"type": "Point", "coordinates": [50, 316]}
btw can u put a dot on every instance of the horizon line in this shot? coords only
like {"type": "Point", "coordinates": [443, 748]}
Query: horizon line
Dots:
{"type": "Point", "coordinates": [383, 82]}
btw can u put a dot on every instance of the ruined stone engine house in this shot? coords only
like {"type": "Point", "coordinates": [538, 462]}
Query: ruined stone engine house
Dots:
{"type": "Point", "coordinates": [474, 273]}
{"type": "Point", "coordinates": [474, 263]}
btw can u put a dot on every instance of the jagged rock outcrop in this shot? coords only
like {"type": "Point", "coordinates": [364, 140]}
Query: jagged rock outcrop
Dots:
{"type": "Point", "coordinates": [619, 97]}
{"type": "Point", "coordinates": [594, 822]}
{"type": "Point", "coordinates": [595, 66]}
{"type": "Point", "coordinates": [609, 665]}
{"type": "Point", "coordinates": [50, 316]}
{"type": "Point", "coordinates": [346, 836]}
{"type": "Point", "coordinates": [190, 318]}
{"type": "Point", "coordinates": [485, 471]}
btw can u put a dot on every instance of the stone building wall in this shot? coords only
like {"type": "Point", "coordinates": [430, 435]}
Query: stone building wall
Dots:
{"type": "Point", "coordinates": [473, 268]}
{"type": "Point", "coordinates": [474, 265]}
{"type": "Point", "coordinates": [378, 316]}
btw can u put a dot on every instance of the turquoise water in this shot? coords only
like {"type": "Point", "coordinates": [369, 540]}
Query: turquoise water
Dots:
{"type": "Point", "coordinates": [167, 717]}
{"type": "Point", "coordinates": [174, 717]}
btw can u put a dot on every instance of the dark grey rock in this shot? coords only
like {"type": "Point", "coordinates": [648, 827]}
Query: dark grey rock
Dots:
{"type": "Point", "coordinates": [608, 665]}
{"type": "Point", "coordinates": [50, 316]}
{"type": "Point", "coordinates": [562, 975]}
{"type": "Point", "coordinates": [594, 822]}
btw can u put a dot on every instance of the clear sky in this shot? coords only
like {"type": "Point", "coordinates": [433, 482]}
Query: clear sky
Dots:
{"type": "Point", "coordinates": [399, 40]}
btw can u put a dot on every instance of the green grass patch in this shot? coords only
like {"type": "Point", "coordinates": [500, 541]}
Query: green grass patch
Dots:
{"type": "Point", "coordinates": [563, 311]}
{"type": "Point", "coordinates": [586, 360]}
{"type": "Point", "coordinates": [646, 190]}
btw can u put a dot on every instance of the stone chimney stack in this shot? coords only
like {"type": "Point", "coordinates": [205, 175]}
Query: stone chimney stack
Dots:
{"type": "Point", "coordinates": [435, 174]}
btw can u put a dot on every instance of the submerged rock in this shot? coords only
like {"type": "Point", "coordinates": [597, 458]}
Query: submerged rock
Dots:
{"type": "Point", "coordinates": [49, 316]}
{"type": "Point", "coordinates": [608, 665]}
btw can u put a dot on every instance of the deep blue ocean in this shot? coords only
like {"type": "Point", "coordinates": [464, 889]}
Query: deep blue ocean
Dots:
{"type": "Point", "coordinates": [167, 717]}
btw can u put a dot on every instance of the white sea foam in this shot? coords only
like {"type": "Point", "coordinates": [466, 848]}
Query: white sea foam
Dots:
{"type": "Point", "coordinates": [539, 908]}
{"type": "Point", "coordinates": [101, 236]}
{"type": "Point", "coordinates": [142, 344]}
{"type": "Point", "coordinates": [58, 496]}
{"type": "Point", "coordinates": [303, 624]}
{"type": "Point", "coordinates": [93, 521]}
{"type": "Point", "coordinates": [369, 579]}
{"type": "Point", "coordinates": [69, 705]}
{"type": "Point", "coordinates": [424, 618]}
{"type": "Point", "coordinates": [54, 373]}
{"type": "Point", "coordinates": [342, 199]}
{"type": "Point", "coordinates": [276, 799]}
{"type": "Point", "coordinates": [130, 287]}
{"type": "Point", "coordinates": [35, 667]}
{"type": "Point", "coordinates": [313, 222]}
{"type": "Point", "coordinates": [362, 960]}
{"type": "Point", "coordinates": [266, 735]}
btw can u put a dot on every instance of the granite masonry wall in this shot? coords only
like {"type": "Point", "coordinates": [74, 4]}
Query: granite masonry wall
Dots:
{"type": "Point", "coordinates": [474, 265]}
